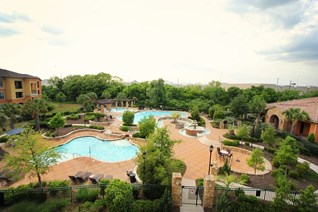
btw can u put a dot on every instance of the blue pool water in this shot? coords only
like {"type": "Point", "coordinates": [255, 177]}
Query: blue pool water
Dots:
{"type": "Point", "coordinates": [103, 150]}
{"type": "Point", "coordinates": [119, 109]}
{"type": "Point", "coordinates": [161, 113]}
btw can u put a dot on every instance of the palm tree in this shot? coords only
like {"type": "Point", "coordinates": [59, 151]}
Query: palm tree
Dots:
{"type": "Point", "coordinates": [34, 107]}
{"type": "Point", "coordinates": [11, 110]}
{"type": "Point", "coordinates": [257, 106]}
{"type": "Point", "coordinates": [3, 120]}
{"type": "Point", "coordinates": [294, 115]}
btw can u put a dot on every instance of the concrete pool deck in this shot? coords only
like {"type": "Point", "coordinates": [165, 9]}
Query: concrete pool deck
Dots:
{"type": "Point", "coordinates": [190, 150]}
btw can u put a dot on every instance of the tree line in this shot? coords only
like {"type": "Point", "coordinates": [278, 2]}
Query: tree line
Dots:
{"type": "Point", "coordinates": [158, 94]}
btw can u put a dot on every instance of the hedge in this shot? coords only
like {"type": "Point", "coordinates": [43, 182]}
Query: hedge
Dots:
{"type": "Point", "coordinates": [231, 143]}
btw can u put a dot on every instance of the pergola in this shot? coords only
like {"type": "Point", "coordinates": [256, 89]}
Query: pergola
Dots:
{"type": "Point", "coordinates": [109, 103]}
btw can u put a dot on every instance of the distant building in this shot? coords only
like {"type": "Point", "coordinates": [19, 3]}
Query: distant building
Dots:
{"type": "Point", "coordinates": [17, 88]}
{"type": "Point", "coordinates": [275, 116]}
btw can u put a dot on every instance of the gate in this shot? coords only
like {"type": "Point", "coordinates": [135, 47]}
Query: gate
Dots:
{"type": "Point", "coordinates": [192, 195]}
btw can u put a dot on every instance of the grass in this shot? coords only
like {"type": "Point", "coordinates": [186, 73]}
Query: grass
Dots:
{"type": "Point", "coordinates": [16, 125]}
{"type": "Point", "coordinates": [65, 107]}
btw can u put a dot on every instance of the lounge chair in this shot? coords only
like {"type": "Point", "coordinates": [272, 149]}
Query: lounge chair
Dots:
{"type": "Point", "coordinates": [73, 177]}
{"type": "Point", "coordinates": [96, 178]}
{"type": "Point", "coordinates": [83, 177]}
{"type": "Point", "coordinates": [220, 153]}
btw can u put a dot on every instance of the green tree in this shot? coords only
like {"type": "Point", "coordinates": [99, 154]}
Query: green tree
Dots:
{"type": "Point", "coordinates": [57, 122]}
{"type": "Point", "coordinates": [60, 97]}
{"type": "Point", "coordinates": [195, 113]}
{"type": "Point", "coordinates": [157, 166]}
{"type": "Point", "coordinates": [242, 132]}
{"type": "Point", "coordinates": [256, 161]}
{"type": "Point", "coordinates": [128, 118]}
{"type": "Point", "coordinates": [119, 196]}
{"type": "Point", "coordinates": [269, 136]}
{"type": "Point", "coordinates": [34, 107]}
{"type": "Point", "coordinates": [3, 120]}
{"type": "Point", "coordinates": [32, 155]}
{"type": "Point", "coordinates": [106, 94]}
{"type": "Point", "coordinates": [11, 110]}
{"type": "Point", "coordinates": [307, 200]}
{"type": "Point", "coordinates": [175, 115]}
{"type": "Point", "coordinates": [157, 93]}
{"type": "Point", "coordinates": [282, 191]}
{"type": "Point", "coordinates": [287, 153]}
{"type": "Point", "coordinates": [146, 126]}
{"type": "Point", "coordinates": [257, 106]}
{"type": "Point", "coordinates": [294, 115]}
{"type": "Point", "coordinates": [88, 101]}
{"type": "Point", "coordinates": [239, 106]}
{"type": "Point", "coordinates": [311, 138]}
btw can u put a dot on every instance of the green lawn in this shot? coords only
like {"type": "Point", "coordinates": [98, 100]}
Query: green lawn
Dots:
{"type": "Point", "coordinates": [16, 125]}
{"type": "Point", "coordinates": [64, 107]}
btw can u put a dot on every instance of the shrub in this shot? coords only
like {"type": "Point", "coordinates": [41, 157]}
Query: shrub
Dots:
{"type": "Point", "coordinates": [124, 128]}
{"type": "Point", "coordinates": [128, 117]}
{"type": "Point", "coordinates": [225, 169]}
{"type": "Point", "coordinates": [85, 194]}
{"type": "Point", "coordinates": [270, 150]}
{"type": "Point", "coordinates": [247, 143]}
{"type": "Point", "coordinates": [96, 127]}
{"type": "Point", "coordinates": [136, 135]}
{"type": "Point", "coordinates": [277, 172]}
{"type": "Point", "coordinates": [146, 205]}
{"type": "Point", "coordinates": [302, 169]}
{"type": "Point", "coordinates": [25, 206]}
{"type": "Point", "coordinates": [89, 117]}
{"type": "Point", "coordinates": [311, 138]}
{"type": "Point", "coordinates": [119, 196]}
{"type": "Point", "coordinates": [178, 166]}
{"type": "Point", "coordinates": [313, 148]}
{"type": "Point", "coordinates": [3, 139]}
{"type": "Point", "coordinates": [53, 205]}
{"type": "Point", "coordinates": [231, 143]}
{"type": "Point", "coordinates": [199, 182]}
{"type": "Point", "coordinates": [55, 187]}
{"type": "Point", "coordinates": [245, 178]}
{"type": "Point", "coordinates": [275, 163]}
{"type": "Point", "coordinates": [73, 116]}
{"type": "Point", "coordinates": [293, 174]}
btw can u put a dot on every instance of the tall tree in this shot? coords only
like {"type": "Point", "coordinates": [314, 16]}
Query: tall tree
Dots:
{"type": "Point", "coordinates": [57, 122]}
{"type": "Point", "coordinates": [257, 106]}
{"type": "Point", "coordinates": [239, 105]}
{"type": "Point", "coordinates": [32, 155]}
{"type": "Point", "coordinates": [3, 120]}
{"type": "Point", "coordinates": [269, 136]}
{"type": "Point", "coordinates": [294, 115]}
{"type": "Point", "coordinates": [34, 107]}
{"type": "Point", "coordinates": [11, 110]}
{"type": "Point", "coordinates": [157, 93]}
{"type": "Point", "coordinates": [256, 161]}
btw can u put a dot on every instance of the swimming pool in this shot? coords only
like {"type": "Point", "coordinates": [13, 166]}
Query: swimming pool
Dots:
{"type": "Point", "coordinates": [102, 150]}
{"type": "Point", "coordinates": [155, 113]}
{"type": "Point", "coordinates": [119, 109]}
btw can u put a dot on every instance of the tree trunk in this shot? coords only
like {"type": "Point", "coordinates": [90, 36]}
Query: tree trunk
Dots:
{"type": "Point", "coordinates": [12, 122]}
{"type": "Point", "coordinates": [40, 181]}
{"type": "Point", "coordinates": [36, 120]}
{"type": "Point", "coordinates": [257, 120]}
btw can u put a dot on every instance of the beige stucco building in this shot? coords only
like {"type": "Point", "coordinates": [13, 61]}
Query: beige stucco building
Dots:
{"type": "Point", "coordinates": [275, 116]}
{"type": "Point", "coordinates": [17, 88]}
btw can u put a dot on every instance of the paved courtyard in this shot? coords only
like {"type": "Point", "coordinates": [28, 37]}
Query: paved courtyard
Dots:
{"type": "Point", "coordinates": [191, 150]}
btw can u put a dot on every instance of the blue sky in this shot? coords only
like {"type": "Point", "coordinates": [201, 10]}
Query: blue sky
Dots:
{"type": "Point", "coordinates": [186, 41]}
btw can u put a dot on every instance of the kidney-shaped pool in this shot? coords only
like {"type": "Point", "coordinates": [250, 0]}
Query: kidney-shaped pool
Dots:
{"type": "Point", "coordinates": [102, 150]}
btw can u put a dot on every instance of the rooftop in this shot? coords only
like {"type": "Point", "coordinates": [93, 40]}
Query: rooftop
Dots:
{"type": "Point", "coordinates": [6, 73]}
{"type": "Point", "coordinates": [309, 105]}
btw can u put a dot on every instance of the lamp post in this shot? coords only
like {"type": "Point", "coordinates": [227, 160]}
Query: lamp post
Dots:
{"type": "Point", "coordinates": [211, 150]}
{"type": "Point", "coordinates": [144, 157]}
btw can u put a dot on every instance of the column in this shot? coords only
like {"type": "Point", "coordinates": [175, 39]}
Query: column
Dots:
{"type": "Point", "coordinates": [208, 195]}
{"type": "Point", "coordinates": [176, 189]}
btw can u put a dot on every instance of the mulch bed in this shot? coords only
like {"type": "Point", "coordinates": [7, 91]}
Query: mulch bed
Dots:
{"type": "Point", "coordinates": [267, 181]}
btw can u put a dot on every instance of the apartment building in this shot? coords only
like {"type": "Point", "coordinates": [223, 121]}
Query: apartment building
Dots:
{"type": "Point", "coordinates": [17, 88]}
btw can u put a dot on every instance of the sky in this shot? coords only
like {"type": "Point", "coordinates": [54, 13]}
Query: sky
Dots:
{"type": "Point", "coordinates": [181, 41]}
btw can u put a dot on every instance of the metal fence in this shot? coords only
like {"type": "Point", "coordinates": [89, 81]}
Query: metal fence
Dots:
{"type": "Point", "coordinates": [11, 196]}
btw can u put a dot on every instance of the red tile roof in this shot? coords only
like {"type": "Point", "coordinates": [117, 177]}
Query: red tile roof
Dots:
{"type": "Point", "coordinates": [309, 105]}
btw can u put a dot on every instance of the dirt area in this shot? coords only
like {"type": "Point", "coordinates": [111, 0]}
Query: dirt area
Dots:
{"type": "Point", "coordinates": [267, 181]}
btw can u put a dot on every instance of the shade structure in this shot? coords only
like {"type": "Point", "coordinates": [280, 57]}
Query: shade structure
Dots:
{"type": "Point", "coordinates": [15, 131]}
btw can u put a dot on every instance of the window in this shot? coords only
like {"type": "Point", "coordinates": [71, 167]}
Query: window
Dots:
{"type": "Point", "coordinates": [1, 83]}
{"type": "Point", "coordinates": [18, 95]}
{"type": "Point", "coordinates": [38, 84]}
{"type": "Point", "coordinates": [33, 88]}
{"type": "Point", "coordinates": [18, 84]}
{"type": "Point", "coordinates": [1, 95]}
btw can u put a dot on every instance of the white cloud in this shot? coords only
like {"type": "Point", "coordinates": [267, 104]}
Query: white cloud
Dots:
{"type": "Point", "coordinates": [141, 40]}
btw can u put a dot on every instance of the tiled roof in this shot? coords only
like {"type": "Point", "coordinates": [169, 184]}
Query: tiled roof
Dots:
{"type": "Point", "coordinates": [5, 73]}
{"type": "Point", "coordinates": [309, 105]}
